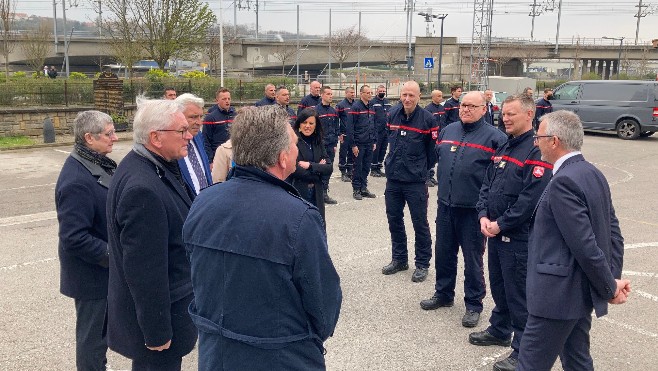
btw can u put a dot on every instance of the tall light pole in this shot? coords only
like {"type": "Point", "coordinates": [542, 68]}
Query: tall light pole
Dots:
{"type": "Point", "coordinates": [621, 45]}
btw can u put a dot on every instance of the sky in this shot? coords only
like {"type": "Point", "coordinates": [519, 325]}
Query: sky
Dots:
{"type": "Point", "coordinates": [386, 20]}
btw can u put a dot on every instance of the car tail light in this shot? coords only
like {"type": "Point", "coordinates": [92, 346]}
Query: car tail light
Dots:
{"type": "Point", "coordinates": [655, 111]}
{"type": "Point", "coordinates": [495, 108]}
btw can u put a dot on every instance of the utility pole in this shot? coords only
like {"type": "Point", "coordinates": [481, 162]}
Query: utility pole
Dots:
{"type": "Point", "coordinates": [100, 18]}
{"type": "Point", "coordinates": [430, 18]}
{"type": "Point", "coordinates": [358, 50]}
{"type": "Point", "coordinates": [410, 58]}
{"type": "Point", "coordinates": [66, 43]}
{"type": "Point", "coordinates": [221, 45]}
{"type": "Point", "coordinates": [329, 77]}
{"type": "Point", "coordinates": [557, 34]}
{"type": "Point", "coordinates": [534, 13]}
{"type": "Point", "coordinates": [641, 13]}
{"type": "Point", "coordinates": [55, 23]}
{"type": "Point", "coordinates": [297, 47]}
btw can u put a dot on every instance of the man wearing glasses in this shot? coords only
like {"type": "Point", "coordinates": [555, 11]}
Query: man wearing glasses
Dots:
{"type": "Point", "coordinates": [195, 167]}
{"type": "Point", "coordinates": [150, 283]}
{"type": "Point", "coordinates": [514, 180]}
{"type": "Point", "coordinates": [464, 149]}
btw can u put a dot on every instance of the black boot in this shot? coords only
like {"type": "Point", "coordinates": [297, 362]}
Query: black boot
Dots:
{"type": "Point", "coordinates": [328, 200]}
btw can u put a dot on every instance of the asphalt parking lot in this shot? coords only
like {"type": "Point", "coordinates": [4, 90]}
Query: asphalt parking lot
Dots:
{"type": "Point", "coordinates": [381, 326]}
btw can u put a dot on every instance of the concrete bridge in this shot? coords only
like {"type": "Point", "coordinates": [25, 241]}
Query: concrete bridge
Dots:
{"type": "Point", "coordinates": [269, 57]}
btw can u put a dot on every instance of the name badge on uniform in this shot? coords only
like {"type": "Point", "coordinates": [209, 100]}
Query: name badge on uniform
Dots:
{"type": "Point", "coordinates": [505, 239]}
{"type": "Point", "coordinates": [497, 159]}
{"type": "Point", "coordinates": [403, 133]}
{"type": "Point", "coordinates": [502, 164]}
{"type": "Point", "coordinates": [453, 149]}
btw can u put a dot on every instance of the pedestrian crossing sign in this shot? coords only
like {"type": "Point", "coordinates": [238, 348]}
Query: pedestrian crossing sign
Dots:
{"type": "Point", "coordinates": [429, 63]}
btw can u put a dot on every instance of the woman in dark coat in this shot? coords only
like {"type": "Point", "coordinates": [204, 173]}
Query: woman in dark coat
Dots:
{"type": "Point", "coordinates": [312, 159]}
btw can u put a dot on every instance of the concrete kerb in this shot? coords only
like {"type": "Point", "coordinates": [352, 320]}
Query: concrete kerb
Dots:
{"type": "Point", "coordinates": [64, 140]}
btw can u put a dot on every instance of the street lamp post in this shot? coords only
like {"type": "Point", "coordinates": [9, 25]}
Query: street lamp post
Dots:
{"type": "Point", "coordinates": [442, 17]}
{"type": "Point", "coordinates": [621, 45]}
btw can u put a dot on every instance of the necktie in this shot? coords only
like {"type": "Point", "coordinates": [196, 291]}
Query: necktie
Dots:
{"type": "Point", "coordinates": [196, 166]}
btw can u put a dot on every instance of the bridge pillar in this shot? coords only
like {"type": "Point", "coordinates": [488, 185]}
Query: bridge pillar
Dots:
{"type": "Point", "coordinates": [592, 66]}
{"type": "Point", "coordinates": [615, 68]}
{"type": "Point", "coordinates": [609, 70]}
{"type": "Point", "coordinates": [576, 69]}
{"type": "Point", "coordinates": [599, 70]}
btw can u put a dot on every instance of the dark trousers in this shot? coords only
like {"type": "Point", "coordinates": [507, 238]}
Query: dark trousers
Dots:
{"type": "Point", "coordinates": [544, 339]}
{"type": "Point", "coordinates": [455, 227]}
{"type": "Point", "coordinates": [331, 154]}
{"type": "Point", "coordinates": [361, 166]}
{"type": "Point", "coordinates": [345, 157]}
{"type": "Point", "coordinates": [90, 342]}
{"type": "Point", "coordinates": [508, 267]}
{"type": "Point", "coordinates": [415, 195]}
{"type": "Point", "coordinates": [380, 151]}
{"type": "Point", "coordinates": [147, 366]}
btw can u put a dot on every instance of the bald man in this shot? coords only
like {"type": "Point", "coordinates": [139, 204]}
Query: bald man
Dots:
{"type": "Point", "coordinates": [412, 134]}
{"type": "Point", "coordinates": [312, 99]}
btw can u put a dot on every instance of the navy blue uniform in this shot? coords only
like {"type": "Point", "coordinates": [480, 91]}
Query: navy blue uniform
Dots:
{"type": "Point", "coordinates": [543, 107]}
{"type": "Point", "coordinates": [266, 101]}
{"type": "Point", "coordinates": [381, 107]}
{"type": "Point", "coordinates": [345, 156]}
{"type": "Point", "coordinates": [489, 115]}
{"type": "Point", "coordinates": [308, 101]}
{"type": "Point", "coordinates": [291, 114]}
{"type": "Point", "coordinates": [439, 114]}
{"type": "Point", "coordinates": [451, 106]}
{"type": "Point", "coordinates": [215, 128]}
{"type": "Point", "coordinates": [360, 130]}
{"type": "Point", "coordinates": [512, 186]}
{"type": "Point", "coordinates": [410, 156]}
{"type": "Point", "coordinates": [329, 122]}
{"type": "Point", "coordinates": [463, 152]}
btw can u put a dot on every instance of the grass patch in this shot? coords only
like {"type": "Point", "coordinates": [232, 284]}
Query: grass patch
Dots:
{"type": "Point", "coordinates": [8, 142]}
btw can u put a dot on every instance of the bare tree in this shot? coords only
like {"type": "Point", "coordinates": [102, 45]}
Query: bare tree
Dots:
{"type": "Point", "coordinates": [500, 57]}
{"type": "Point", "coordinates": [213, 44]}
{"type": "Point", "coordinates": [344, 44]}
{"type": "Point", "coordinates": [529, 54]}
{"type": "Point", "coordinates": [163, 27]}
{"type": "Point", "coordinates": [392, 55]}
{"type": "Point", "coordinates": [282, 54]}
{"type": "Point", "coordinates": [36, 45]}
{"type": "Point", "coordinates": [7, 16]}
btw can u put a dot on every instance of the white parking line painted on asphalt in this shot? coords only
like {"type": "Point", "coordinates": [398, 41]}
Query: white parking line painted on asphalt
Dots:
{"type": "Point", "coordinates": [642, 244]}
{"type": "Point", "coordinates": [639, 221]}
{"type": "Point", "coordinates": [29, 218]}
{"type": "Point", "coordinates": [628, 178]}
{"type": "Point", "coordinates": [645, 295]}
{"type": "Point", "coordinates": [639, 274]}
{"type": "Point", "coordinates": [59, 150]}
{"type": "Point", "coordinates": [490, 359]}
{"type": "Point", "coordinates": [27, 187]}
{"type": "Point", "coordinates": [26, 264]}
{"type": "Point", "coordinates": [629, 327]}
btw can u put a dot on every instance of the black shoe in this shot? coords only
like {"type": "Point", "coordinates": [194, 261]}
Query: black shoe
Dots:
{"type": "Point", "coordinates": [395, 266]}
{"type": "Point", "coordinates": [434, 303]}
{"type": "Point", "coordinates": [345, 178]}
{"type": "Point", "coordinates": [485, 338]}
{"type": "Point", "coordinates": [436, 182]}
{"type": "Point", "coordinates": [471, 318]}
{"type": "Point", "coordinates": [357, 195]}
{"type": "Point", "coordinates": [366, 193]}
{"type": "Point", "coordinates": [419, 275]}
{"type": "Point", "coordinates": [375, 173]}
{"type": "Point", "coordinates": [429, 183]}
{"type": "Point", "coordinates": [328, 200]}
{"type": "Point", "coordinates": [507, 364]}
{"type": "Point", "coordinates": [381, 173]}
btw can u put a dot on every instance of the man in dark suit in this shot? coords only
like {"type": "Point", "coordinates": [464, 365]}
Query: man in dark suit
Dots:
{"type": "Point", "coordinates": [575, 253]}
{"type": "Point", "coordinates": [195, 167]}
{"type": "Point", "coordinates": [489, 116]}
{"type": "Point", "coordinates": [150, 284]}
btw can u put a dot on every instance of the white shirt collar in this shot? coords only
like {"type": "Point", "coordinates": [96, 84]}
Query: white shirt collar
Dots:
{"type": "Point", "coordinates": [562, 159]}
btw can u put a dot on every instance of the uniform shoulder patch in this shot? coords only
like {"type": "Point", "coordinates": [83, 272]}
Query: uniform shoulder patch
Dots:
{"type": "Point", "coordinates": [538, 171]}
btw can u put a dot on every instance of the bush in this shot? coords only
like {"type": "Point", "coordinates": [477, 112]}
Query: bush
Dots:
{"type": "Point", "coordinates": [18, 75]}
{"type": "Point", "coordinates": [77, 76]}
{"type": "Point", "coordinates": [157, 74]}
{"type": "Point", "coordinates": [591, 76]}
{"type": "Point", "coordinates": [194, 75]}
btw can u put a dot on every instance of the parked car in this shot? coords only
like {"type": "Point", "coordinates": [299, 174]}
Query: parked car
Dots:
{"type": "Point", "coordinates": [628, 107]}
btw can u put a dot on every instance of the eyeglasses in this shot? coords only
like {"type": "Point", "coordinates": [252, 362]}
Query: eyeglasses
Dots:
{"type": "Point", "coordinates": [181, 131]}
{"type": "Point", "coordinates": [110, 133]}
{"type": "Point", "coordinates": [195, 117]}
{"type": "Point", "coordinates": [469, 107]}
{"type": "Point", "coordinates": [536, 137]}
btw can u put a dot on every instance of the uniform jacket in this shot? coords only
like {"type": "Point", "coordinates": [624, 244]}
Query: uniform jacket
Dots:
{"type": "Point", "coordinates": [150, 285]}
{"type": "Point", "coordinates": [411, 145]}
{"type": "Point", "coordinates": [464, 152]}
{"type": "Point", "coordinates": [514, 180]}
{"type": "Point", "coordinates": [489, 114]}
{"type": "Point", "coordinates": [576, 249]}
{"type": "Point", "coordinates": [451, 107]}
{"type": "Point", "coordinates": [80, 198]}
{"type": "Point", "coordinates": [215, 128]}
{"type": "Point", "coordinates": [199, 141]}
{"type": "Point", "coordinates": [342, 109]}
{"type": "Point", "coordinates": [277, 296]}
{"type": "Point", "coordinates": [543, 107]}
{"type": "Point", "coordinates": [301, 178]}
{"type": "Point", "coordinates": [308, 101]}
{"type": "Point", "coordinates": [360, 128]}
{"type": "Point", "coordinates": [329, 120]}
{"type": "Point", "coordinates": [266, 101]}
{"type": "Point", "coordinates": [291, 114]}
{"type": "Point", "coordinates": [439, 114]}
{"type": "Point", "coordinates": [381, 107]}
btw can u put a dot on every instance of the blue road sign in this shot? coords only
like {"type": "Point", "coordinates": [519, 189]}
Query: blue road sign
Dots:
{"type": "Point", "coordinates": [429, 63]}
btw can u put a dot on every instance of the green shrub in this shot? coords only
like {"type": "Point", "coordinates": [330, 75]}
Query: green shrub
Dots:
{"type": "Point", "coordinates": [157, 74]}
{"type": "Point", "coordinates": [194, 75]}
{"type": "Point", "coordinates": [18, 75]}
{"type": "Point", "coordinates": [77, 76]}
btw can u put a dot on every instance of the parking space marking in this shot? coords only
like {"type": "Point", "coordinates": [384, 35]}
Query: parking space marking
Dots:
{"type": "Point", "coordinates": [26, 264]}
{"type": "Point", "coordinates": [642, 244]}
{"type": "Point", "coordinates": [639, 274]}
{"type": "Point", "coordinates": [490, 359]}
{"type": "Point", "coordinates": [645, 295]}
{"type": "Point", "coordinates": [59, 150]}
{"type": "Point", "coordinates": [628, 178]}
{"type": "Point", "coordinates": [29, 218]}
{"type": "Point", "coordinates": [629, 327]}
{"type": "Point", "coordinates": [27, 187]}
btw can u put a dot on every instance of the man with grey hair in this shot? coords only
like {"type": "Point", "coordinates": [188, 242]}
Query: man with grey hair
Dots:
{"type": "Point", "coordinates": [311, 100]}
{"type": "Point", "coordinates": [575, 253]}
{"type": "Point", "coordinates": [269, 98]}
{"type": "Point", "coordinates": [195, 167]}
{"type": "Point", "coordinates": [282, 259]}
{"type": "Point", "coordinates": [150, 285]}
{"type": "Point", "coordinates": [80, 201]}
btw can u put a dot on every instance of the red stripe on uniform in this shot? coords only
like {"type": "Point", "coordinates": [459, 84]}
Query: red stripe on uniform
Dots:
{"type": "Point", "coordinates": [396, 127]}
{"type": "Point", "coordinates": [329, 115]}
{"type": "Point", "coordinates": [217, 122]}
{"type": "Point", "coordinates": [472, 145]}
{"type": "Point", "coordinates": [361, 112]}
{"type": "Point", "coordinates": [539, 163]}
{"type": "Point", "coordinates": [513, 160]}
